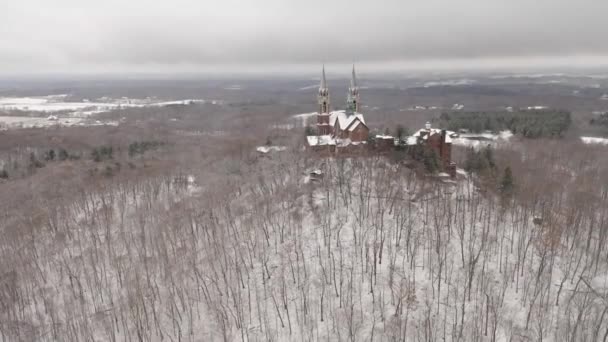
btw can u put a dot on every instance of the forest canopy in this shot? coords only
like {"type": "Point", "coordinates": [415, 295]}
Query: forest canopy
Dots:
{"type": "Point", "coordinates": [530, 124]}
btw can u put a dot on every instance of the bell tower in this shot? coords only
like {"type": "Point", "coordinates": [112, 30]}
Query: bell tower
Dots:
{"type": "Point", "coordinates": [323, 126]}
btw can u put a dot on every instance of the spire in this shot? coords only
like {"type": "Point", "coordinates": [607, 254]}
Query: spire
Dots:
{"type": "Point", "coordinates": [352, 98]}
{"type": "Point", "coordinates": [323, 96]}
{"type": "Point", "coordinates": [323, 84]}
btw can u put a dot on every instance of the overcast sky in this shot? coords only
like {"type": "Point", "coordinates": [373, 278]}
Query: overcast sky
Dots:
{"type": "Point", "coordinates": [56, 36]}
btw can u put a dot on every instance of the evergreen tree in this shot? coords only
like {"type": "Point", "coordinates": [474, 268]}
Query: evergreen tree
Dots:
{"type": "Point", "coordinates": [50, 155]}
{"type": "Point", "coordinates": [480, 162]}
{"type": "Point", "coordinates": [431, 160]}
{"type": "Point", "coordinates": [401, 132]}
{"type": "Point", "coordinates": [489, 156]}
{"type": "Point", "coordinates": [34, 162]}
{"type": "Point", "coordinates": [507, 184]}
{"type": "Point", "coordinates": [96, 155]}
{"type": "Point", "coordinates": [63, 154]}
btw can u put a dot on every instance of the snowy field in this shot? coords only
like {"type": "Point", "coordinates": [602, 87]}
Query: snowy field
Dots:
{"type": "Point", "coordinates": [16, 122]}
{"type": "Point", "coordinates": [268, 149]}
{"type": "Point", "coordinates": [302, 120]}
{"type": "Point", "coordinates": [366, 253]}
{"type": "Point", "coordinates": [483, 139]}
{"type": "Point", "coordinates": [57, 104]}
{"type": "Point", "coordinates": [595, 141]}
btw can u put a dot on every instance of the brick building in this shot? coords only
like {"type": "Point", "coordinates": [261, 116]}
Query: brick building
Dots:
{"type": "Point", "coordinates": [343, 127]}
{"type": "Point", "coordinates": [440, 141]}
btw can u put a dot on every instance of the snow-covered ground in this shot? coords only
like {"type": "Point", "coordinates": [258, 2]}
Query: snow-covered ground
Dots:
{"type": "Point", "coordinates": [594, 140]}
{"type": "Point", "coordinates": [14, 122]}
{"type": "Point", "coordinates": [537, 107]}
{"type": "Point", "coordinates": [460, 82]}
{"type": "Point", "coordinates": [314, 86]}
{"type": "Point", "coordinates": [482, 139]}
{"type": "Point", "coordinates": [366, 252]}
{"type": "Point", "coordinates": [267, 149]}
{"type": "Point", "coordinates": [57, 103]}
{"type": "Point", "coordinates": [303, 119]}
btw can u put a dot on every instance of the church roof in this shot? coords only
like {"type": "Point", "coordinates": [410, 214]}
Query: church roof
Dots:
{"type": "Point", "coordinates": [343, 119]}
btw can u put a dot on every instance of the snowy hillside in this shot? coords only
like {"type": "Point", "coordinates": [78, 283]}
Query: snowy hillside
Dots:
{"type": "Point", "coordinates": [365, 251]}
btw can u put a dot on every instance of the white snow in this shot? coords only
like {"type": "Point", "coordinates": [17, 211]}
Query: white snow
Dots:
{"type": "Point", "coordinates": [320, 140]}
{"type": "Point", "coordinates": [594, 140]}
{"type": "Point", "coordinates": [15, 122]}
{"type": "Point", "coordinates": [482, 139]}
{"type": "Point", "coordinates": [600, 283]}
{"type": "Point", "coordinates": [537, 107]}
{"type": "Point", "coordinates": [411, 140]}
{"type": "Point", "coordinates": [55, 103]}
{"type": "Point", "coordinates": [460, 82]}
{"type": "Point", "coordinates": [462, 172]}
{"type": "Point", "coordinates": [425, 133]}
{"type": "Point", "coordinates": [354, 126]}
{"type": "Point", "coordinates": [267, 149]}
{"type": "Point", "coordinates": [314, 86]}
{"type": "Point", "coordinates": [304, 118]}
{"type": "Point", "coordinates": [420, 107]}
{"type": "Point", "coordinates": [343, 119]}
{"type": "Point", "coordinates": [372, 255]}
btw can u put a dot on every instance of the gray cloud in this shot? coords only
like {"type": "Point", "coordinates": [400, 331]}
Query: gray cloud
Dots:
{"type": "Point", "coordinates": [98, 36]}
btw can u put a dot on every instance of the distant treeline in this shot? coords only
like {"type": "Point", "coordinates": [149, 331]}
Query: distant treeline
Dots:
{"type": "Point", "coordinates": [600, 120]}
{"type": "Point", "coordinates": [530, 124]}
{"type": "Point", "coordinates": [104, 153]}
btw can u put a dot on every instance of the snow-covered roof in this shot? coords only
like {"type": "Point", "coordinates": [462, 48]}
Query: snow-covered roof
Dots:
{"type": "Point", "coordinates": [348, 142]}
{"type": "Point", "coordinates": [344, 119]}
{"type": "Point", "coordinates": [425, 133]}
{"type": "Point", "coordinates": [411, 140]}
{"type": "Point", "coordinates": [354, 125]}
{"type": "Point", "coordinates": [327, 140]}
{"type": "Point", "coordinates": [320, 140]}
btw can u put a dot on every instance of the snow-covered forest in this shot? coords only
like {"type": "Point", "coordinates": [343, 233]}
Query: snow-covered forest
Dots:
{"type": "Point", "coordinates": [293, 247]}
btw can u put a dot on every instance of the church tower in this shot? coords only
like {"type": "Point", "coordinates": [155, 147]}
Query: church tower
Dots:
{"type": "Point", "coordinates": [353, 94]}
{"type": "Point", "coordinates": [323, 126]}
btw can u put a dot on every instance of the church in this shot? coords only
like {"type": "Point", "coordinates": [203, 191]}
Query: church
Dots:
{"type": "Point", "coordinates": [339, 128]}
